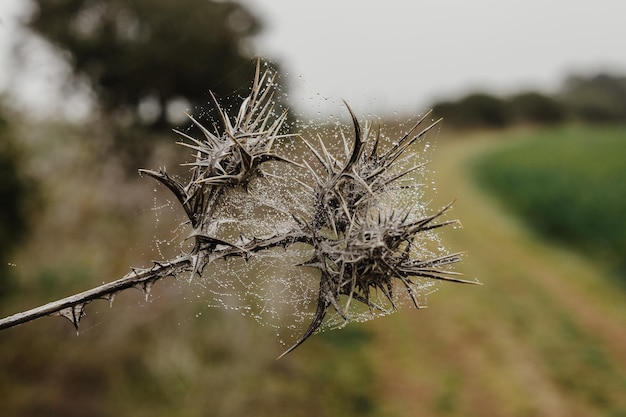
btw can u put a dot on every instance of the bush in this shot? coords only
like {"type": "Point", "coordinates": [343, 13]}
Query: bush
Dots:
{"type": "Point", "coordinates": [474, 110]}
{"type": "Point", "coordinates": [16, 194]}
{"type": "Point", "coordinates": [601, 98]}
{"type": "Point", "coordinates": [535, 108]}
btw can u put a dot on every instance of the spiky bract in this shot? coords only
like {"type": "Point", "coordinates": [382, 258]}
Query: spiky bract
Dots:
{"type": "Point", "coordinates": [229, 157]}
{"type": "Point", "coordinates": [362, 248]}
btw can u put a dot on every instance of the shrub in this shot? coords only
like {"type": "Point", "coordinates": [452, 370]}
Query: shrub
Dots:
{"type": "Point", "coordinates": [474, 110]}
{"type": "Point", "coordinates": [16, 194]}
{"type": "Point", "coordinates": [535, 108]}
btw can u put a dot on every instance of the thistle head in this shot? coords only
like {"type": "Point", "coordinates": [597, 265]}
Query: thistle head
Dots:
{"type": "Point", "coordinates": [346, 188]}
{"type": "Point", "coordinates": [364, 251]}
{"type": "Point", "coordinates": [231, 154]}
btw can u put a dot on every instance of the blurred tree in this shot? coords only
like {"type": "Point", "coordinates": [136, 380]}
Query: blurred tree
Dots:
{"type": "Point", "coordinates": [143, 57]}
{"type": "Point", "coordinates": [601, 98]}
{"type": "Point", "coordinates": [534, 107]}
{"type": "Point", "coordinates": [474, 110]}
{"type": "Point", "coordinates": [484, 109]}
{"type": "Point", "coordinates": [16, 194]}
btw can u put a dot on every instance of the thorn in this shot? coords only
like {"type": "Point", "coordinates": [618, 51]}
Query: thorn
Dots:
{"type": "Point", "coordinates": [147, 288]}
{"type": "Point", "coordinates": [73, 314]}
{"type": "Point", "coordinates": [109, 297]}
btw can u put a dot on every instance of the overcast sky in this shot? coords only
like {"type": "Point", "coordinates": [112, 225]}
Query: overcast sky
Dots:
{"type": "Point", "coordinates": [404, 54]}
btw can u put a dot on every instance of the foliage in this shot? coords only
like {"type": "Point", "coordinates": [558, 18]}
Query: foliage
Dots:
{"type": "Point", "coordinates": [535, 108]}
{"type": "Point", "coordinates": [17, 193]}
{"type": "Point", "coordinates": [474, 110]}
{"type": "Point", "coordinates": [568, 185]}
{"type": "Point", "coordinates": [150, 53]}
{"type": "Point", "coordinates": [599, 98]}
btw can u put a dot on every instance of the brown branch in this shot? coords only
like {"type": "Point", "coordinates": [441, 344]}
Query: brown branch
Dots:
{"type": "Point", "coordinates": [72, 307]}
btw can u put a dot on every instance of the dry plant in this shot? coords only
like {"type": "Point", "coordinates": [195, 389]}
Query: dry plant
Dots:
{"type": "Point", "coordinates": [359, 245]}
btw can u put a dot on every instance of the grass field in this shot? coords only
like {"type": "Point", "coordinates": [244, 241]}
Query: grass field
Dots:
{"type": "Point", "coordinates": [569, 184]}
{"type": "Point", "coordinates": [544, 335]}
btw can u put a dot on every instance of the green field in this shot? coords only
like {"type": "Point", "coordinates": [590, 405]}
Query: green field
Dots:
{"type": "Point", "coordinates": [568, 184]}
{"type": "Point", "coordinates": [542, 337]}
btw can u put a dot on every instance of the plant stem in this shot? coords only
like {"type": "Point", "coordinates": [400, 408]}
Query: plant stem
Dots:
{"type": "Point", "coordinates": [139, 278]}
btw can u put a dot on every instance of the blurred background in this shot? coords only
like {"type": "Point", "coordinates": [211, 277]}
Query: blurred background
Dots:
{"type": "Point", "coordinates": [533, 96]}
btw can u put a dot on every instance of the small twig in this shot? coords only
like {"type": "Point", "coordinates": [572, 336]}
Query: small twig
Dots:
{"type": "Point", "coordinates": [72, 307]}
{"type": "Point", "coordinates": [106, 291]}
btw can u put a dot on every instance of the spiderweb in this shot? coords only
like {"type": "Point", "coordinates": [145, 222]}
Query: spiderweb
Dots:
{"type": "Point", "coordinates": [272, 286]}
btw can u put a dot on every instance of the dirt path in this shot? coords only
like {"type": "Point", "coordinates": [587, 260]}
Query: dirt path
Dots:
{"type": "Point", "coordinates": [545, 335]}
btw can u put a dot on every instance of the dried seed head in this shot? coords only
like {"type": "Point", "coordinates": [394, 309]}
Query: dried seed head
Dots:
{"type": "Point", "coordinates": [361, 249]}
{"type": "Point", "coordinates": [229, 156]}
{"type": "Point", "coordinates": [345, 190]}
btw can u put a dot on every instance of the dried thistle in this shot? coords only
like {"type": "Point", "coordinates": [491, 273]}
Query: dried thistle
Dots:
{"type": "Point", "coordinates": [367, 249]}
{"type": "Point", "coordinates": [228, 157]}
{"type": "Point", "coordinates": [360, 248]}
